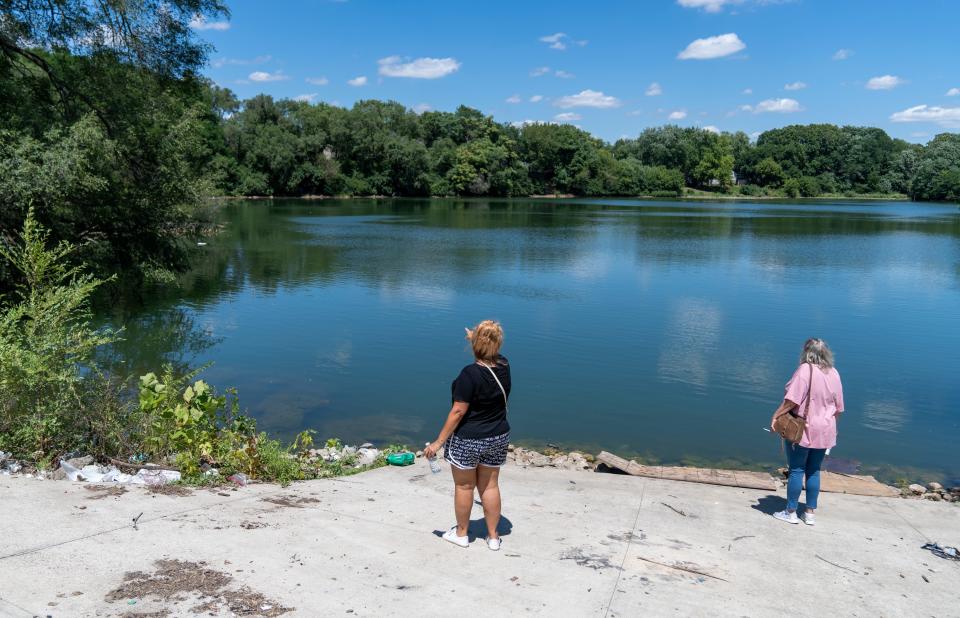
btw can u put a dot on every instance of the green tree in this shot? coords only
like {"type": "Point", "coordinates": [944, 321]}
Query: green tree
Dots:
{"type": "Point", "coordinates": [768, 173]}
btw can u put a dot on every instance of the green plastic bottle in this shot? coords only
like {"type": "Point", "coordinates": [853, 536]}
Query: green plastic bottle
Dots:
{"type": "Point", "coordinates": [400, 459]}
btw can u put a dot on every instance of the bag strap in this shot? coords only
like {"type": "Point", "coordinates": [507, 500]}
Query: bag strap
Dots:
{"type": "Point", "coordinates": [806, 406]}
{"type": "Point", "coordinates": [502, 390]}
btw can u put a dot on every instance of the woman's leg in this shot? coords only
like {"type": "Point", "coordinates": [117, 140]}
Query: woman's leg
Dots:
{"type": "Point", "coordinates": [812, 472]}
{"type": "Point", "coordinates": [797, 462]}
{"type": "Point", "coordinates": [465, 482]}
{"type": "Point", "coordinates": [490, 497]}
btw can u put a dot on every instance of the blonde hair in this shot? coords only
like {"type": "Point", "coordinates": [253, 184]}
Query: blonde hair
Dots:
{"type": "Point", "coordinates": [486, 338]}
{"type": "Point", "coordinates": [817, 352]}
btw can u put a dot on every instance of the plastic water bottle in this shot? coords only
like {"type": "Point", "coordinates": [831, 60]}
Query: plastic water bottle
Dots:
{"type": "Point", "coordinates": [434, 462]}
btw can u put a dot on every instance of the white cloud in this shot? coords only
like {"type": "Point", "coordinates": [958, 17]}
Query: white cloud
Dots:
{"type": "Point", "coordinates": [219, 62]}
{"type": "Point", "coordinates": [842, 54]}
{"type": "Point", "coordinates": [317, 81]}
{"type": "Point", "coordinates": [420, 68]}
{"type": "Point", "coordinates": [712, 47]}
{"type": "Point", "coordinates": [712, 129]}
{"type": "Point", "coordinates": [953, 92]}
{"type": "Point", "coordinates": [653, 90]}
{"type": "Point", "coordinates": [567, 117]}
{"type": "Point", "coordinates": [537, 72]}
{"type": "Point", "coordinates": [514, 99]}
{"type": "Point", "coordinates": [635, 112]}
{"type": "Point", "coordinates": [199, 22]}
{"type": "Point", "coordinates": [420, 108]}
{"type": "Point", "coordinates": [943, 116]}
{"type": "Point", "coordinates": [564, 74]}
{"type": "Point", "coordinates": [308, 98]}
{"type": "Point", "coordinates": [536, 98]}
{"type": "Point", "coordinates": [360, 80]}
{"type": "Point", "coordinates": [555, 40]}
{"type": "Point", "coordinates": [884, 82]}
{"type": "Point", "coordinates": [795, 86]}
{"type": "Point", "coordinates": [748, 91]}
{"type": "Point", "coordinates": [588, 98]}
{"type": "Point", "coordinates": [780, 106]}
{"type": "Point", "coordinates": [710, 6]}
{"type": "Point", "coordinates": [523, 123]}
{"type": "Point", "coordinates": [263, 76]}
{"type": "Point", "coordinates": [678, 114]}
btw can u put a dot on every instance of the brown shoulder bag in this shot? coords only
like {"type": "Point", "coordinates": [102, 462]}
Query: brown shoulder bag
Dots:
{"type": "Point", "coordinates": [789, 425]}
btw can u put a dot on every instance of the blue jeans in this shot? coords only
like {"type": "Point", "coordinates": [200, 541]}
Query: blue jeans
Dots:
{"type": "Point", "coordinates": [803, 462]}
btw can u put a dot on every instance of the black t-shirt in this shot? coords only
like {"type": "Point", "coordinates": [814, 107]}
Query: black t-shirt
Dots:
{"type": "Point", "coordinates": [487, 415]}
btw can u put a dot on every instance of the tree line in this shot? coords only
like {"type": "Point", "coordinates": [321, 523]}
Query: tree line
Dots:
{"type": "Point", "coordinates": [109, 132]}
{"type": "Point", "coordinates": [294, 148]}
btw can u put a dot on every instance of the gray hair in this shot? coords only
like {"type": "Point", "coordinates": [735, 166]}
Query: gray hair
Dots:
{"type": "Point", "coordinates": [817, 352]}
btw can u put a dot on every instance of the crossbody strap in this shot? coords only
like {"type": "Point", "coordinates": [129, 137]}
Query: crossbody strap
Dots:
{"type": "Point", "coordinates": [806, 406]}
{"type": "Point", "coordinates": [502, 390]}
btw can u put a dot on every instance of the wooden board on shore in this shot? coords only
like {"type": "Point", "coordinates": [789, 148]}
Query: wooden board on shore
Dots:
{"type": "Point", "coordinates": [829, 481]}
{"type": "Point", "coordinates": [729, 478]}
{"type": "Point", "coordinates": [855, 484]}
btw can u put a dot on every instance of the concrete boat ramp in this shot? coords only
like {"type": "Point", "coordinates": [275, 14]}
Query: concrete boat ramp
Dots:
{"type": "Point", "coordinates": [575, 544]}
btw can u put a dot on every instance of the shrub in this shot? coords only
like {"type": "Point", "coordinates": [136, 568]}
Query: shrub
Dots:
{"type": "Point", "coordinates": [47, 342]}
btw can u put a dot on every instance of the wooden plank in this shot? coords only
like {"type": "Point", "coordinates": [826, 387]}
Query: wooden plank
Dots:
{"type": "Point", "coordinates": [710, 476]}
{"type": "Point", "coordinates": [854, 484]}
{"type": "Point", "coordinates": [756, 480]}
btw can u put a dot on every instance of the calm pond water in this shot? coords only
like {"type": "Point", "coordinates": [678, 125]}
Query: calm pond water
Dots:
{"type": "Point", "coordinates": [658, 329]}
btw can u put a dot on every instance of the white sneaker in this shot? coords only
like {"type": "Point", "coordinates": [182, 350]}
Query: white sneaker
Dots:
{"type": "Point", "coordinates": [451, 535]}
{"type": "Point", "coordinates": [790, 518]}
{"type": "Point", "coordinates": [809, 518]}
{"type": "Point", "coordinates": [493, 544]}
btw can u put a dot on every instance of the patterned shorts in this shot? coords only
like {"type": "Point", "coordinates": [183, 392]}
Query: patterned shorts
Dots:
{"type": "Point", "coordinates": [468, 453]}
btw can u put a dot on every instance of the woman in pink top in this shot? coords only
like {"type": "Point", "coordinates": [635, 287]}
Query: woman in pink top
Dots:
{"type": "Point", "coordinates": [817, 378]}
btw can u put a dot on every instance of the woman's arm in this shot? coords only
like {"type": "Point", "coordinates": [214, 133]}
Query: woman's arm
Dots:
{"type": "Point", "coordinates": [785, 407]}
{"type": "Point", "coordinates": [453, 419]}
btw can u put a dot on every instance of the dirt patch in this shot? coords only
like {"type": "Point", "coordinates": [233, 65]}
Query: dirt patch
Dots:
{"type": "Point", "coordinates": [169, 490]}
{"type": "Point", "coordinates": [589, 560]}
{"type": "Point", "coordinates": [289, 501]}
{"type": "Point", "coordinates": [163, 613]}
{"type": "Point", "coordinates": [253, 525]}
{"type": "Point", "coordinates": [105, 491]}
{"type": "Point", "coordinates": [174, 580]}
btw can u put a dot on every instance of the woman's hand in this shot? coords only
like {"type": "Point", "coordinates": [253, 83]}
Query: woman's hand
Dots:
{"type": "Point", "coordinates": [431, 450]}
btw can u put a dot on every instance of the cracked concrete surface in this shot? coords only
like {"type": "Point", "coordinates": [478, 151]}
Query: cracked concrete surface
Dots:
{"type": "Point", "coordinates": [575, 544]}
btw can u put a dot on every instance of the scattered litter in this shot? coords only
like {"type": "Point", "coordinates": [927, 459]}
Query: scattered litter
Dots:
{"type": "Point", "coordinates": [135, 520]}
{"type": "Point", "coordinates": [367, 455]}
{"type": "Point", "coordinates": [948, 553]}
{"type": "Point", "coordinates": [925, 578]}
{"type": "Point", "coordinates": [239, 478]}
{"type": "Point", "coordinates": [836, 565]}
{"type": "Point", "coordinates": [674, 509]}
{"type": "Point", "coordinates": [93, 473]}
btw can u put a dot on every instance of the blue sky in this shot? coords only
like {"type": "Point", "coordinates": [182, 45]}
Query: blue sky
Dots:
{"type": "Point", "coordinates": [610, 67]}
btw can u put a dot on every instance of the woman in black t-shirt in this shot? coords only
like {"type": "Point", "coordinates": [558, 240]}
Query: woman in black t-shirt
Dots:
{"type": "Point", "coordinates": [476, 434]}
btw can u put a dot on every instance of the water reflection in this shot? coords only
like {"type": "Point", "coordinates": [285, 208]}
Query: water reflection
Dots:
{"type": "Point", "coordinates": [887, 415]}
{"type": "Point", "coordinates": [690, 340]}
{"type": "Point", "coordinates": [626, 320]}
